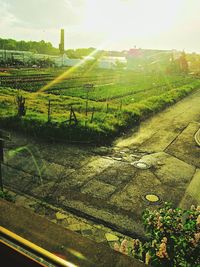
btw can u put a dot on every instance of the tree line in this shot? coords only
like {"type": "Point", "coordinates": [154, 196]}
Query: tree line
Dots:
{"type": "Point", "coordinates": [42, 47]}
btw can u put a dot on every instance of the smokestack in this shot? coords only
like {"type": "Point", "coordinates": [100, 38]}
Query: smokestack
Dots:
{"type": "Point", "coordinates": [62, 42]}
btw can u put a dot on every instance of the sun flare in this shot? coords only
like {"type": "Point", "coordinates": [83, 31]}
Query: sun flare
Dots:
{"type": "Point", "coordinates": [121, 19]}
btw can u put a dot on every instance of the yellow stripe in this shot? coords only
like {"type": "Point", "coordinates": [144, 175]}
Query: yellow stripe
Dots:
{"type": "Point", "coordinates": [44, 253]}
{"type": "Point", "coordinates": [21, 253]}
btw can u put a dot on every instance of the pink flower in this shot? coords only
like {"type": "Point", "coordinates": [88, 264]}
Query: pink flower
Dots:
{"type": "Point", "coordinates": [164, 240]}
{"type": "Point", "coordinates": [197, 237]}
{"type": "Point", "coordinates": [162, 253]}
{"type": "Point", "coordinates": [116, 246]}
{"type": "Point", "coordinates": [147, 258]}
{"type": "Point", "coordinates": [153, 244]}
{"type": "Point", "coordinates": [136, 244]}
{"type": "Point", "coordinates": [198, 220]}
{"type": "Point", "coordinates": [123, 248]}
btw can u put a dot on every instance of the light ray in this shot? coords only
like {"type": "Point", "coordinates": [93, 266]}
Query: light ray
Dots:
{"type": "Point", "coordinates": [67, 73]}
{"type": "Point", "coordinates": [14, 152]}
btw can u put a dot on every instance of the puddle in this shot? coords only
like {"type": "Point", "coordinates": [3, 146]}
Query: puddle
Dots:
{"type": "Point", "coordinates": [141, 165]}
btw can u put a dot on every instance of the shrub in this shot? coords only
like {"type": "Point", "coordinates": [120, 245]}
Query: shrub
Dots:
{"type": "Point", "coordinates": [7, 196]}
{"type": "Point", "coordinates": [105, 125]}
{"type": "Point", "coordinates": [173, 238]}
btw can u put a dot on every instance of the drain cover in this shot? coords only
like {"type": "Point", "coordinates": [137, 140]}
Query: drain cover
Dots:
{"type": "Point", "coordinates": [152, 198]}
{"type": "Point", "coordinates": [141, 165]}
{"type": "Point", "coordinates": [197, 137]}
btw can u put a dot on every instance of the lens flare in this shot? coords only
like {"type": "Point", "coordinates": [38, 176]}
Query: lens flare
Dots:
{"type": "Point", "coordinates": [12, 153]}
{"type": "Point", "coordinates": [67, 73]}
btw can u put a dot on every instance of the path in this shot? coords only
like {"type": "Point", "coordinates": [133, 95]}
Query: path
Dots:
{"type": "Point", "coordinates": [102, 183]}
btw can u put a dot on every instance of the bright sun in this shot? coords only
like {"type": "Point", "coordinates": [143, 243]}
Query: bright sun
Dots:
{"type": "Point", "coordinates": [125, 18]}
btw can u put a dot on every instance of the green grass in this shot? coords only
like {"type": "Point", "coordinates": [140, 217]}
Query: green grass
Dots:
{"type": "Point", "coordinates": [132, 98]}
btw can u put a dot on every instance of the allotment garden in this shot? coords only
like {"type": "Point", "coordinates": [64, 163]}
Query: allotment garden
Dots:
{"type": "Point", "coordinates": [83, 105]}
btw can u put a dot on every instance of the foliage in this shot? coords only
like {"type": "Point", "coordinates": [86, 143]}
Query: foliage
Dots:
{"type": "Point", "coordinates": [173, 237]}
{"type": "Point", "coordinates": [40, 47]}
{"type": "Point", "coordinates": [6, 195]}
{"type": "Point", "coordinates": [111, 109]}
{"type": "Point", "coordinates": [178, 65]}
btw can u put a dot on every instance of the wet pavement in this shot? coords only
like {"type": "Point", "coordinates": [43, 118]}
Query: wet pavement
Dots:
{"type": "Point", "coordinates": [109, 185]}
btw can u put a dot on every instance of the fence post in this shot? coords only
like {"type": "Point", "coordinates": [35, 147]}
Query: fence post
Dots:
{"type": "Point", "coordinates": [120, 107]}
{"type": "Point", "coordinates": [86, 106]}
{"type": "Point", "coordinates": [92, 115]}
{"type": "Point", "coordinates": [72, 116]}
{"type": "Point", "coordinates": [88, 87]}
{"type": "Point", "coordinates": [107, 106]}
{"type": "Point", "coordinates": [20, 100]}
{"type": "Point", "coordinates": [49, 111]}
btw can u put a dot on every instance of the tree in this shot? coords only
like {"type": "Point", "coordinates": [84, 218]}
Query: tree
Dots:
{"type": "Point", "coordinates": [183, 64]}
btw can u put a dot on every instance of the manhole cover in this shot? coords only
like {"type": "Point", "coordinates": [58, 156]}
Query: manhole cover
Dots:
{"type": "Point", "coordinates": [197, 137]}
{"type": "Point", "coordinates": [141, 165]}
{"type": "Point", "coordinates": [152, 198]}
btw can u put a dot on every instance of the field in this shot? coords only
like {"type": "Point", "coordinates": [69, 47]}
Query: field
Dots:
{"type": "Point", "coordinates": [118, 100]}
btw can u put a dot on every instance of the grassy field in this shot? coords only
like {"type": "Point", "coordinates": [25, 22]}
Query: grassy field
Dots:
{"type": "Point", "coordinates": [119, 100]}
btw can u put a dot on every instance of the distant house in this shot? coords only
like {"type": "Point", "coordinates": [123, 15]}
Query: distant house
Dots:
{"type": "Point", "coordinates": [103, 63]}
{"type": "Point", "coordinates": [64, 61]}
{"type": "Point", "coordinates": [149, 59]}
{"type": "Point", "coordinates": [110, 62]}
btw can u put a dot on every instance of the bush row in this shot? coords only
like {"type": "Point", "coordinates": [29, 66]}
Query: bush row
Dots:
{"type": "Point", "coordinates": [98, 133]}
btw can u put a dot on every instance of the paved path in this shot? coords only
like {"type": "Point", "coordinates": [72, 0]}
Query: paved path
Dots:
{"type": "Point", "coordinates": [102, 183]}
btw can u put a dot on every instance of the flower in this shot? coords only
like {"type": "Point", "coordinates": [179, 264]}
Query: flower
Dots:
{"type": "Point", "coordinates": [153, 244]}
{"type": "Point", "coordinates": [124, 248]}
{"type": "Point", "coordinates": [164, 240]}
{"type": "Point", "coordinates": [193, 207]}
{"type": "Point", "coordinates": [198, 220]}
{"type": "Point", "coordinates": [180, 226]}
{"type": "Point", "coordinates": [147, 258]}
{"type": "Point", "coordinates": [116, 246]}
{"type": "Point", "coordinates": [136, 245]}
{"type": "Point", "coordinates": [162, 253]}
{"type": "Point", "coordinates": [193, 242]}
{"type": "Point", "coordinates": [197, 237]}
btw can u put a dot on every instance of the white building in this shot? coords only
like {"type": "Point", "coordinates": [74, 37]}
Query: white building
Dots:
{"type": "Point", "coordinates": [63, 61]}
{"type": "Point", "coordinates": [111, 62]}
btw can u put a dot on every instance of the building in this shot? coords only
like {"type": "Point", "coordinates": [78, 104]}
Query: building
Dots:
{"type": "Point", "coordinates": [111, 62]}
{"type": "Point", "coordinates": [64, 61]}
{"type": "Point", "coordinates": [149, 59]}
{"type": "Point", "coordinates": [15, 56]}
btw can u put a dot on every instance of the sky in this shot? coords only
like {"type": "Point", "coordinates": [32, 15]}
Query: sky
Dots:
{"type": "Point", "coordinates": [108, 24]}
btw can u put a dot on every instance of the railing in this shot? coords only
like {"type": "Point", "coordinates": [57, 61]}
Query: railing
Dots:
{"type": "Point", "coordinates": [15, 249]}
